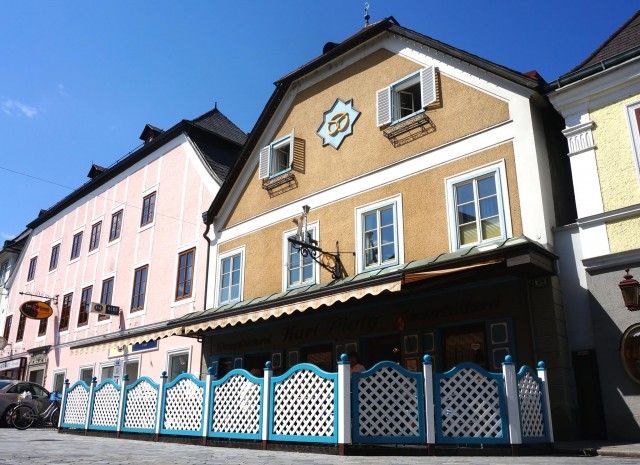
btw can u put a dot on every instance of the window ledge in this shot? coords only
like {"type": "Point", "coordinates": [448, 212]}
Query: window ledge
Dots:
{"type": "Point", "coordinates": [407, 130]}
{"type": "Point", "coordinates": [93, 251]}
{"type": "Point", "coordinates": [146, 226]}
{"type": "Point", "coordinates": [280, 183]}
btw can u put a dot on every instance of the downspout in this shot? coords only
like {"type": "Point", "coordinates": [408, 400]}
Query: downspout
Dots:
{"type": "Point", "coordinates": [206, 277]}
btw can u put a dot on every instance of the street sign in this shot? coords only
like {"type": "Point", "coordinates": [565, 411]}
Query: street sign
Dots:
{"type": "Point", "coordinates": [36, 310]}
{"type": "Point", "coordinates": [104, 309]}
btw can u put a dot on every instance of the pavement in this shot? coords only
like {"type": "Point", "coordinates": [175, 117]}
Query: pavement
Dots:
{"type": "Point", "coordinates": [48, 447]}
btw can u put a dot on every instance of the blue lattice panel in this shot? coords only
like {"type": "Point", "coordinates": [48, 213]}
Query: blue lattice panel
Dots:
{"type": "Point", "coordinates": [183, 406]}
{"type": "Point", "coordinates": [141, 406]}
{"type": "Point", "coordinates": [531, 399]}
{"type": "Point", "coordinates": [237, 404]}
{"type": "Point", "coordinates": [106, 404]}
{"type": "Point", "coordinates": [75, 408]}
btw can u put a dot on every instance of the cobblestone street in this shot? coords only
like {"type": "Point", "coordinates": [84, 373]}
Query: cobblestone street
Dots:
{"type": "Point", "coordinates": [48, 447]}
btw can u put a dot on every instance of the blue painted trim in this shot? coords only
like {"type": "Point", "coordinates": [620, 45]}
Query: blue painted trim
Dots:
{"type": "Point", "coordinates": [95, 392]}
{"type": "Point", "coordinates": [333, 439]}
{"type": "Point", "coordinates": [76, 385]}
{"type": "Point", "coordinates": [534, 439]}
{"type": "Point", "coordinates": [169, 386]}
{"type": "Point", "coordinates": [128, 388]}
{"type": "Point", "coordinates": [441, 438]}
{"type": "Point", "coordinates": [225, 378]}
{"type": "Point", "coordinates": [355, 407]}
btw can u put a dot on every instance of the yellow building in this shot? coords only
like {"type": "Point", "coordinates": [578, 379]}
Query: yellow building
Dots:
{"type": "Point", "coordinates": [600, 102]}
{"type": "Point", "coordinates": [420, 177]}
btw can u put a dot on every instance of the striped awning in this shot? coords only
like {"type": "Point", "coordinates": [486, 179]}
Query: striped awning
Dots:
{"type": "Point", "coordinates": [129, 340]}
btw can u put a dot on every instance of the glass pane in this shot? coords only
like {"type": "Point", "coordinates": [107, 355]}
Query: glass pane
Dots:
{"type": "Point", "coordinates": [224, 294]}
{"type": "Point", "coordinates": [294, 261]}
{"type": "Point", "coordinates": [386, 217]}
{"type": "Point", "coordinates": [226, 266]}
{"type": "Point", "coordinates": [370, 221]}
{"type": "Point", "coordinates": [235, 292]}
{"type": "Point", "coordinates": [468, 234]}
{"type": "Point", "coordinates": [294, 276]}
{"type": "Point", "coordinates": [464, 193]}
{"type": "Point", "coordinates": [307, 272]}
{"type": "Point", "coordinates": [236, 262]}
{"type": "Point", "coordinates": [371, 239]}
{"type": "Point", "coordinates": [486, 187]}
{"type": "Point", "coordinates": [225, 280]}
{"type": "Point", "coordinates": [489, 207]}
{"type": "Point", "coordinates": [491, 228]}
{"type": "Point", "coordinates": [235, 279]}
{"type": "Point", "coordinates": [466, 213]}
{"type": "Point", "coordinates": [387, 235]}
{"type": "Point", "coordinates": [388, 252]}
{"type": "Point", "coordinates": [371, 257]}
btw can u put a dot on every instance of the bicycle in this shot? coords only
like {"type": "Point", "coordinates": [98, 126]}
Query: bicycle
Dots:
{"type": "Point", "coordinates": [24, 416]}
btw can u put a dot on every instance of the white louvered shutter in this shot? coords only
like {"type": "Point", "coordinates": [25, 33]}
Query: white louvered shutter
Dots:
{"type": "Point", "coordinates": [383, 105]}
{"type": "Point", "coordinates": [291, 140]}
{"type": "Point", "coordinates": [263, 171]}
{"type": "Point", "coordinates": [428, 85]}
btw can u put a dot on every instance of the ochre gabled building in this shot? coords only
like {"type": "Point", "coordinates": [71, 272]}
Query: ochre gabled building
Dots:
{"type": "Point", "coordinates": [433, 173]}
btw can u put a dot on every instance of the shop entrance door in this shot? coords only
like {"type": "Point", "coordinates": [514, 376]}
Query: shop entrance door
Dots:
{"type": "Point", "coordinates": [464, 344]}
{"type": "Point", "coordinates": [380, 349]}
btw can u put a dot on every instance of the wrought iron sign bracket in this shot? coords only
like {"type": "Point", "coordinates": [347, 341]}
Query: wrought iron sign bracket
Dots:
{"type": "Point", "coordinates": [42, 295]}
{"type": "Point", "coordinates": [327, 260]}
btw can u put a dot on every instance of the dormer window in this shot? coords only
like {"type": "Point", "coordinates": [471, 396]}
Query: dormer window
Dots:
{"type": "Point", "coordinates": [277, 157]}
{"type": "Point", "coordinates": [406, 97]}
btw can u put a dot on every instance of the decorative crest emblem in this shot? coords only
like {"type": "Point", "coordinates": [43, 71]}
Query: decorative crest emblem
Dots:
{"type": "Point", "coordinates": [338, 123]}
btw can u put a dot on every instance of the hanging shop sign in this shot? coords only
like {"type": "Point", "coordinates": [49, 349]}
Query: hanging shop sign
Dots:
{"type": "Point", "coordinates": [36, 310]}
{"type": "Point", "coordinates": [104, 309]}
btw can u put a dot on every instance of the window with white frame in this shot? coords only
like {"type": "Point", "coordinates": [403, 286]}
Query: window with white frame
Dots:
{"type": "Point", "coordinates": [277, 157]}
{"type": "Point", "coordinates": [230, 278]}
{"type": "Point", "coordinates": [86, 374]}
{"type": "Point", "coordinates": [406, 97]}
{"type": "Point", "coordinates": [32, 269]}
{"type": "Point", "coordinates": [58, 381]}
{"type": "Point", "coordinates": [178, 363]}
{"type": "Point", "coordinates": [4, 273]}
{"type": "Point", "coordinates": [477, 207]}
{"type": "Point", "coordinates": [298, 269]}
{"type": "Point", "coordinates": [379, 231]}
{"type": "Point", "coordinates": [132, 368]}
{"type": "Point", "coordinates": [633, 115]}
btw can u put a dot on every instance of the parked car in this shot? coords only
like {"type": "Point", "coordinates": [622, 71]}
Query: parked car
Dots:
{"type": "Point", "coordinates": [11, 389]}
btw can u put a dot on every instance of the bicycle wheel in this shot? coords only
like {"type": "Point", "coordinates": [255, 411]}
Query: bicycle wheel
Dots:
{"type": "Point", "coordinates": [55, 417]}
{"type": "Point", "coordinates": [23, 417]}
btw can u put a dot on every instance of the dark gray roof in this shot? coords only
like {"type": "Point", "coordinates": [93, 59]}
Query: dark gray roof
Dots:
{"type": "Point", "coordinates": [217, 123]}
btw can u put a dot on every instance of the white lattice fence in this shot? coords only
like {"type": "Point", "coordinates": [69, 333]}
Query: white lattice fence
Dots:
{"type": "Point", "coordinates": [388, 404]}
{"type": "Point", "coordinates": [183, 406]}
{"type": "Point", "coordinates": [75, 408]}
{"type": "Point", "coordinates": [304, 405]}
{"type": "Point", "coordinates": [236, 407]}
{"type": "Point", "coordinates": [106, 402]}
{"type": "Point", "coordinates": [141, 403]}
{"type": "Point", "coordinates": [470, 406]}
{"type": "Point", "coordinates": [530, 396]}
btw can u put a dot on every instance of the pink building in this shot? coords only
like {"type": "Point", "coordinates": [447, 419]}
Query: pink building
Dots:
{"type": "Point", "coordinates": [131, 237]}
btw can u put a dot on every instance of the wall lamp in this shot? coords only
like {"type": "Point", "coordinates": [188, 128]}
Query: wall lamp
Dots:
{"type": "Point", "coordinates": [630, 289]}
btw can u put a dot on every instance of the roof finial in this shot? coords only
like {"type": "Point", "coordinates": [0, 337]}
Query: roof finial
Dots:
{"type": "Point", "coordinates": [366, 14]}
{"type": "Point", "coordinates": [215, 105]}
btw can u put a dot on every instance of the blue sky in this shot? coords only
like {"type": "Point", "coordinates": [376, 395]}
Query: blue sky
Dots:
{"type": "Point", "coordinates": [80, 79]}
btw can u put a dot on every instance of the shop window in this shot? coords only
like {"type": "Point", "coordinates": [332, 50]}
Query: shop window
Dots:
{"type": "Point", "coordinates": [184, 285]}
{"type": "Point", "coordinates": [139, 288]}
{"type": "Point", "coordinates": [477, 205]}
{"type": "Point", "coordinates": [94, 239]}
{"type": "Point", "coordinates": [106, 371]}
{"type": "Point", "coordinates": [55, 254]}
{"type": "Point", "coordinates": [21, 324]}
{"type": "Point", "coordinates": [379, 235]}
{"type": "Point", "coordinates": [105, 296]}
{"type": "Point", "coordinates": [85, 302]}
{"type": "Point", "coordinates": [7, 327]}
{"type": "Point", "coordinates": [464, 344]}
{"type": "Point", "coordinates": [230, 288]}
{"type": "Point", "coordinates": [86, 375]}
{"type": "Point", "coordinates": [132, 368]}
{"type": "Point", "coordinates": [178, 363]}
{"type": "Point", "coordinates": [58, 381]}
{"type": "Point", "coordinates": [148, 209]}
{"type": "Point", "coordinates": [320, 356]}
{"type": "Point", "coordinates": [300, 270]}
{"type": "Point", "coordinates": [116, 226]}
{"type": "Point", "coordinates": [32, 269]}
{"type": "Point", "coordinates": [406, 97]}
{"type": "Point", "coordinates": [65, 312]}
{"type": "Point", "coordinates": [36, 376]}
{"type": "Point", "coordinates": [76, 246]}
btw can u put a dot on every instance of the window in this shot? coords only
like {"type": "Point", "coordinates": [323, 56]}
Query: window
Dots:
{"type": "Point", "coordinates": [94, 240]}
{"type": "Point", "coordinates": [148, 208]}
{"type": "Point", "coordinates": [230, 278]}
{"type": "Point", "coordinates": [86, 375]}
{"type": "Point", "coordinates": [476, 210]}
{"type": "Point", "coordinates": [7, 327]}
{"type": "Point", "coordinates": [139, 288]}
{"type": "Point", "coordinates": [178, 363]}
{"type": "Point", "coordinates": [277, 157]}
{"type": "Point", "coordinates": [184, 285]}
{"type": "Point", "coordinates": [42, 329]}
{"type": "Point", "coordinates": [32, 269]}
{"type": "Point", "coordinates": [379, 228]}
{"type": "Point", "coordinates": [105, 296]}
{"type": "Point", "coordinates": [55, 253]}
{"type": "Point", "coordinates": [406, 97]}
{"type": "Point", "coordinates": [300, 270]}
{"type": "Point", "coordinates": [65, 313]}
{"type": "Point", "coordinates": [76, 246]}
{"type": "Point", "coordinates": [21, 324]}
{"type": "Point", "coordinates": [106, 371]}
{"type": "Point", "coordinates": [4, 273]}
{"type": "Point", "coordinates": [58, 381]}
{"type": "Point", "coordinates": [116, 226]}
{"type": "Point", "coordinates": [85, 302]}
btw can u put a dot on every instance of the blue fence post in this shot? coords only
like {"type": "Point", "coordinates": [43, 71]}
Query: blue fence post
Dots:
{"type": "Point", "coordinates": [123, 388]}
{"type": "Point", "coordinates": [542, 374]}
{"type": "Point", "coordinates": [513, 404]}
{"type": "Point", "coordinates": [429, 412]}
{"type": "Point", "coordinates": [344, 403]}
{"type": "Point", "coordinates": [63, 404]}
{"type": "Point", "coordinates": [207, 406]}
{"type": "Point", "coordinates": [266, 401]}
{"type": "Point", "coordinates": [163, 381]}
{"type": "Point", "coordinates": [92, 390]}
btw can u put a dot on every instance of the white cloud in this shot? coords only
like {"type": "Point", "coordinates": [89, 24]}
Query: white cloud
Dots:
{"type": "Point", "coordinates": [62, 91]}
{"type": "Point", "coordinates": [14, 108]}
